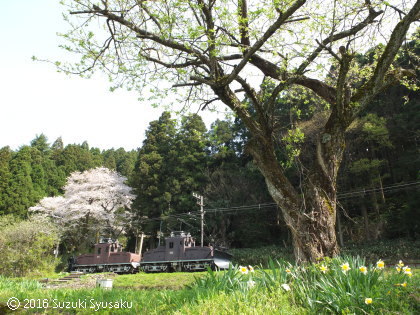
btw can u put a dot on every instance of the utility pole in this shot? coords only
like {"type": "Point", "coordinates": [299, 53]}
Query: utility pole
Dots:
{"type": "Point", "coordinates": [141, 243]}
{"type": "Point", "coordinates": [200, 202]}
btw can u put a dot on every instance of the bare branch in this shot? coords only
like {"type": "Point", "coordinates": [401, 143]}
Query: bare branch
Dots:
{"type": "Point", "coordinates": [207, 103]}
{"type": "Point", "coordinates": [352, 31]}
{"type": "Point", "coordinates": [269, 69]}
{"type": "Point", "coordinates": [171, 65]}
{"type": "Point", "coordinates": [145, 9]}
{"type": "Point", "coordinates": [186, 84]}
{"type": "Point", "coordinates": [258, 44]}
{"type": "Point", "coordinates": [328, 49]}
{"type": "Point", "coordinates": [141, 33]}
{"type": "Point", "coordinates": [243, 23]}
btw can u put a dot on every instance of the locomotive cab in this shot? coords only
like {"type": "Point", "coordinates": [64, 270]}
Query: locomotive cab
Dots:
{"type": "Point", "coordinates": [180, 254]}
{"type": "Point", "coordinates": [176, 245]}
{"type": "Point", "coordinates": [107, 256]}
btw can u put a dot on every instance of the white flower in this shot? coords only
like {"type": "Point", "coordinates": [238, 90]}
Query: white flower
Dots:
{"type": "Point", "coordinates": [380, 264]}
{"type": "Point", "coordinates": [243, 270]}
{"type": "Point", "coordinates": [363, 270]}
{"type": "Point", "coordinates": [251, 269]}
{"type": "Point", "coordinates": [285, 286]}
{"type": "Point", "coordinates": [345, 267]}
{"type": "Point", "coordinates": [250, 283]}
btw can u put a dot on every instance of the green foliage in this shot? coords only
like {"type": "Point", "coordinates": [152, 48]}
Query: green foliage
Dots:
{"type": "Point", "coordinates": [344, 285]}
{"type": "Point", "coordinates": [40, 170]}
{"type": "Point", "coordinates": [390, 250]}
{"type": "Point", "coordinates": [161, 281]}
{"type": "Point", "coordinates": [261, 256]}
{"type": "Point", "coordinates": [26, 246]}
{"type": "Point", "coordinates": [339, 291]}
{"type": "Point", "coordinates": [170, 166]}
{"type": "Point", "coordinates": [283, 288]}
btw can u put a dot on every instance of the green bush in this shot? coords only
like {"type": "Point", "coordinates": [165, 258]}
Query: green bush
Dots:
{"type": "Point", "coordinates": [26, 247]}
{"type": "Point", "coordinates": [260, 256]}
{"type": "Point", "coordinates": [389, 250]}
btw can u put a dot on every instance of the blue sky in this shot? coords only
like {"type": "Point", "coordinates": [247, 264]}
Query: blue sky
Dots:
{"type": "Point", "coordinates": [36, 99]}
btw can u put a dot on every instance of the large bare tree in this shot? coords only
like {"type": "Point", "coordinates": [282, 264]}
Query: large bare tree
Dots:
{"type": "Point", "coordinates": [222, 50]}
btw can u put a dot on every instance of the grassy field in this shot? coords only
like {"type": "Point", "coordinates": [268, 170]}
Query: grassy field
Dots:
{"type": "Point", "coordinates": [389, 250]}
{"type": "Point", "coordinates": [282, 288]}
{"type": "Point", "coordinates": [157, 281]}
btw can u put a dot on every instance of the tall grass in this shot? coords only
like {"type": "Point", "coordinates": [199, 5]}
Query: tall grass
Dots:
{"type": "Point", "coordinates": [344, 285]}
{"type": "Point", "coordinates": [336, 286]}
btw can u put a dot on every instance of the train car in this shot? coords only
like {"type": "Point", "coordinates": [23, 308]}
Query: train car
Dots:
{"type": "Point", "coordinates": [107, 256]}
{"type": "Point", "coordinates": [180, 254]}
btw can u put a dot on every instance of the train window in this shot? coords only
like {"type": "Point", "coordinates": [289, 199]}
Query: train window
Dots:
{"type": "Point", "coordinates": [99, 251]}
{"type": "Point", "coordinates": [106, 249]}
{"type": "Point", "coordinates": [171, 245]}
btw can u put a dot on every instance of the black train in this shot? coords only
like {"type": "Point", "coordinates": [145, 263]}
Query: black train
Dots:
{"type": "Point", "coordinates": [180, 254]}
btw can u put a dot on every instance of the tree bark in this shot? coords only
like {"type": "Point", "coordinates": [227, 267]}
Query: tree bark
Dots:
{"type": "Point", "coordinates": [311, 214]}
{"type": "Point", "coordinates": [365, 220]}
{"type": "Point", "coordinates": [340, 230]}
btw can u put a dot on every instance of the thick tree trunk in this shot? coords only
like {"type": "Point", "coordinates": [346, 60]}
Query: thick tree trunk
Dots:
{"type": "Point", "coordinates": [365, 220]}
{"type": "Point", "coordinates": [313, 231]}
{"type": "Point", "coordinates": [311, 214]}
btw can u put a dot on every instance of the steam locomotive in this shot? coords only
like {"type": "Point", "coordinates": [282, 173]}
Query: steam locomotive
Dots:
{"type": "Point", "coordinates": [178, 254]}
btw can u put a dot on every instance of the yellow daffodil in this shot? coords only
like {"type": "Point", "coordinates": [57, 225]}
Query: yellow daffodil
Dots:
{"type": "Point", "coordinates": [323, 268]}
{"type": "Point", "coordinates": [345, 267]}
{"type": "Point", "coordinates": [380, 264]}
{"type": "Point", "coordinates": [243, 270]}
{"type": "Point", "coordinates": [251, 269]}
{"type": "Point", "coordinates": [408, 273]}
{"type": "Point", "coordinates": [398, 269]}
{"type": "Point", "coordinates": [363, 270]}
{"type": "Point", "coordinates": [406, 268]}
{"type": "Point", "coordinates": [400, 263]}
{"type": "Point", "coordinates": [404, 284]}
{"type": "Point", "coordinates": [368, 301]}
{"type": "Point", "coordinates": [288, 270]}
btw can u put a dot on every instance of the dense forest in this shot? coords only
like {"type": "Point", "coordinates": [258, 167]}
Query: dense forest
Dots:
{"type": "Point", "coordinates": [378, 183]}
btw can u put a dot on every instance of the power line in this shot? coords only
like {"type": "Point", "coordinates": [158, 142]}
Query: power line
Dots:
{"type": "Point", "coordinates": [269, 205]}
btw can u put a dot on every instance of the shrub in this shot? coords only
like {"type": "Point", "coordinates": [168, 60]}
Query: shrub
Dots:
{"type": "Point", "coordinates": [26, 247]}
{"type": "Point", "coordinates": [261, 255]}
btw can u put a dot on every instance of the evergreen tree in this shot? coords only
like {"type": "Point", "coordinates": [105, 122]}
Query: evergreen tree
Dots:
{"type": "Point", "coordinates": [152, 180]}
{"type": "Point", "coordinates": [5, 178]}
{"type": "Point", "coordinates": [188, 161]}
{"type": "Point", "coordinates": [22, 194]}
{"type": "Point", "coordinates": [76, 158]}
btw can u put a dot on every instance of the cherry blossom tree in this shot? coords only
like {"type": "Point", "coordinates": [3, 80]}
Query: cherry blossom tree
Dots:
{"type": "Point", "coordinates": [96, 199]}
